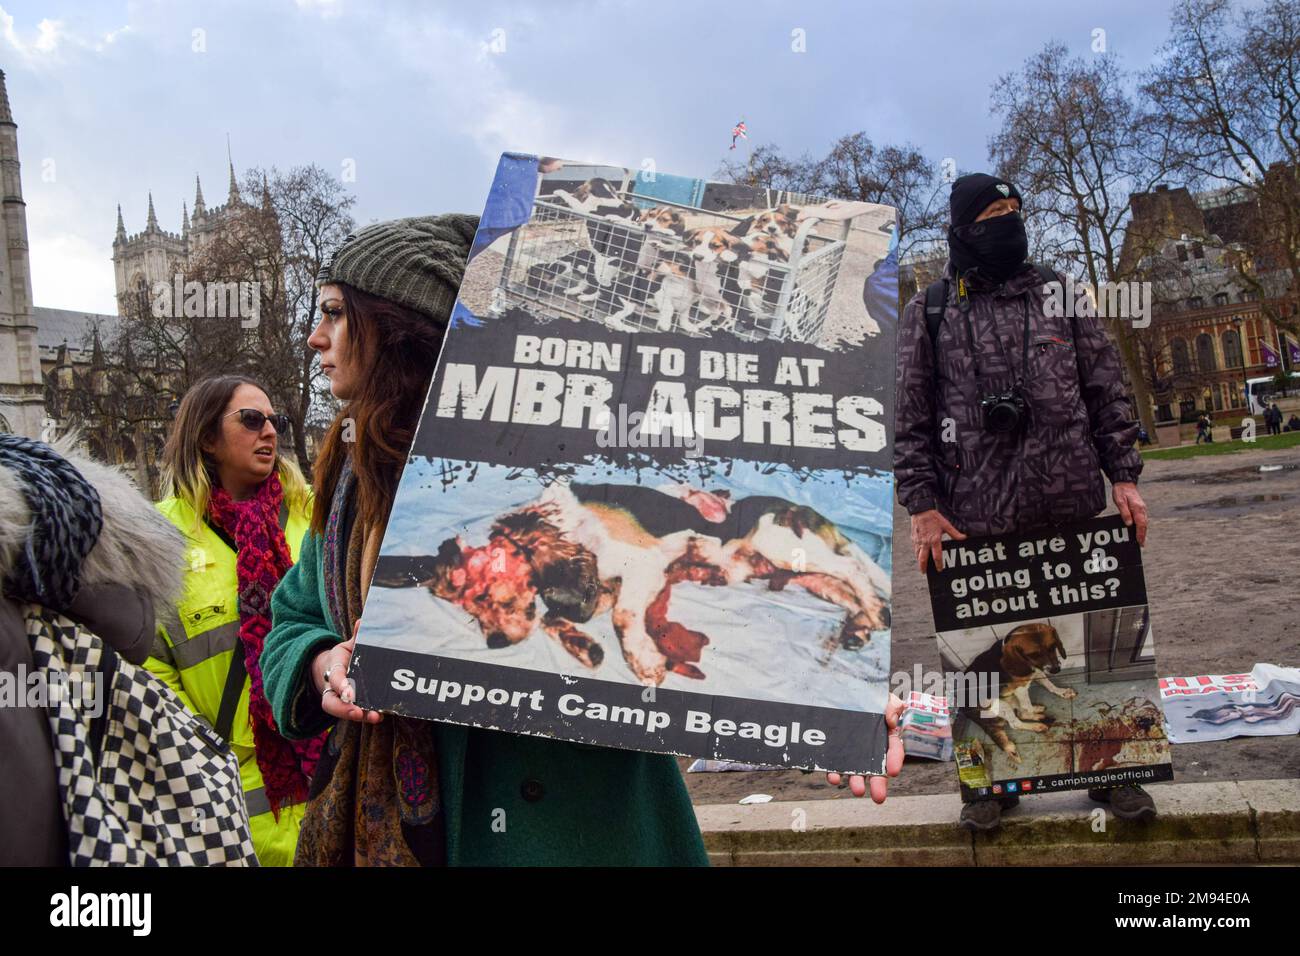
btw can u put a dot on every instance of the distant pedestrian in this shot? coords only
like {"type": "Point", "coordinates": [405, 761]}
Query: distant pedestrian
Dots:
{"type": "Point", "coordinates": [1273, 418]}
{"type": "Point", "coordinates": [1202, 429]}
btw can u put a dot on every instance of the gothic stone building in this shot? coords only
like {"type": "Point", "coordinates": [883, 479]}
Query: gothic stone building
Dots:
{"type": "Point", "coordinates": [156, 255]}
{"type": "Point", "coordinates": [22, 387]}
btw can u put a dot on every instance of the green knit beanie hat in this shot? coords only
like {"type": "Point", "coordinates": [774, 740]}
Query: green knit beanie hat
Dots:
{"type": "Point", "coordinates": [416, 262]}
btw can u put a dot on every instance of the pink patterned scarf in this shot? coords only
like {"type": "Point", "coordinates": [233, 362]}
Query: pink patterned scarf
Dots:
{"type": "Point", "coordinates": [262, 559]}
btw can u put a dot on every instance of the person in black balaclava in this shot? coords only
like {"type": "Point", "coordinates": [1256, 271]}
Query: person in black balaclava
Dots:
{"type": "Point", "coordinates": [987, 232]}
{"type": "Point", "coordinates": [1010, 414]}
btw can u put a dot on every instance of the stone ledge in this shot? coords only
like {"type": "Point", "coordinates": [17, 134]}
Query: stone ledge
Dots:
{"type": "Point", "coordinates": [1255, 821]}
{"type": "Point", "coordinates": [1276, 808]}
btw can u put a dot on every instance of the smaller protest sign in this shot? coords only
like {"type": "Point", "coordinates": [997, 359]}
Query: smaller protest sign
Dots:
{"type": "Point", "coordinates": [1046, 646]}
{"type": "Point", "coordinates": [925, 727]}
{"type": "Point", "coordinates": [1262, 703]}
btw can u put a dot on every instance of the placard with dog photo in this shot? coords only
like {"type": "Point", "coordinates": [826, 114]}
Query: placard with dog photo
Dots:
{"type": "Point", "coordinates": [1046, 646]}
{"type": "Point", "coordinates": [649, 501]}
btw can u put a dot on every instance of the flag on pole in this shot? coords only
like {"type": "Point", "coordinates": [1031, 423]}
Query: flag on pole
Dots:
{"type": "Point", "coordinates": [738, 132]}
{"type": "Point", "coordinates": [1271, 358]}
{"type": "Point", "coordinates": [1295, 351]}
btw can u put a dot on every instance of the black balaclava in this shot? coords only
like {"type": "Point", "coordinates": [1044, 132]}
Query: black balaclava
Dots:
{"type": "Point", "coordinates": [998, 247]}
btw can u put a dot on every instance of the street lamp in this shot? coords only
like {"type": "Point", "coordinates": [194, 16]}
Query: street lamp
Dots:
{"type": "Point", "coordinates": [1241, 350]}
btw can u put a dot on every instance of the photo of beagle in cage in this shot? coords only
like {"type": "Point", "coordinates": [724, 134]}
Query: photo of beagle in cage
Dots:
{"type": "Point", "coordinates": [1014, 665]}
{"type": "Point", "coordinates": [585, 550]}
{"type": "Point", "coordinates": [779, 225]}
{"type": "Point", "coordinates": [733, 279]}
{"type": "Point", "coordinates": [648, 268]}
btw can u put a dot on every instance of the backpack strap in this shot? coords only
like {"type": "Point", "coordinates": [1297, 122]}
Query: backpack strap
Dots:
{"type": "Point", "coordinates": [99, 724]}
{"type": "Point", "coordinates": [936, 301]}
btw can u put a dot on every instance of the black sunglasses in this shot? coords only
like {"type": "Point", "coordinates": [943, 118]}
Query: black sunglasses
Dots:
{"type": "Point", "coordinates": [253, 420]}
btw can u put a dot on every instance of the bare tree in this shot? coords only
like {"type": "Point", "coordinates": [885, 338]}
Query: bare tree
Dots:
{"type": "Point", "coordinates": [245, 304]}
{"type": "Point", "coordinates": [120, 411]}
{"type": "Point", "coordinates": [898, 176]}
{"type": "Point", "coordinates": [768, 166]}
{"type": "Point", "coordinates": [312, 215]}
{"type": "Point", "coordinates": [1225, 106]}
{"type": "Point", "coordinates": [1070, 138]}
{"type": "Point", "coordinates": [856, 169]}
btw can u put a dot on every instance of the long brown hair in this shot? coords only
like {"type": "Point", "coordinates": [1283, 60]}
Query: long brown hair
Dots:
{"type": "Point", "coordinates": [189, 473]}
{"type": "Point", "coordinates": [394, 350]}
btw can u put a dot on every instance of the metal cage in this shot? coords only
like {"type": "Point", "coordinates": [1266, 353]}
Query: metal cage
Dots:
{"type": "Point", "coordinates": [568, 264]}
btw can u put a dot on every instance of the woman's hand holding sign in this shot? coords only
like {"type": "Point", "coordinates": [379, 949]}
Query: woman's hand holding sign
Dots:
{"type": "Point", "coordinates": [879, 786]}
{"type": "Point", "coordinates": [329, 672]}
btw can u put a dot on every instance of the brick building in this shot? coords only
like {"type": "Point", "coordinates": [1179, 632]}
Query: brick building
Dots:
{"type": "Point", "coordinates": [1211, 281]}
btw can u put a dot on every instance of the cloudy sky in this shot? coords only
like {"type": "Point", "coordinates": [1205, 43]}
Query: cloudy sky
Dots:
{"type": "Point", "coordinates": [117, 99]}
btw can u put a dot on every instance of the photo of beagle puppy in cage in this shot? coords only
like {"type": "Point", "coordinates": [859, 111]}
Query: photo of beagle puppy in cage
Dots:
{"type": "Point", "coordinates": [606, 249]}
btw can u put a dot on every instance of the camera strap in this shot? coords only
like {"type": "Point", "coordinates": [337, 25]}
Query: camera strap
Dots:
{"type": "Point", "coordinates": [936, 303]}
{"type": "Point", "coordinates": [974, 353]}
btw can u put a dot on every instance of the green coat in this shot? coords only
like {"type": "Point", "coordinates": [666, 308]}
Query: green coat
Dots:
{"type": "Point", "coordinates": [565, 804]}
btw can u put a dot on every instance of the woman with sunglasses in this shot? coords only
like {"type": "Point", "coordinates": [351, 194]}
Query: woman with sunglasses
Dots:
{"type": "Point", "coordinates": [243, 510]}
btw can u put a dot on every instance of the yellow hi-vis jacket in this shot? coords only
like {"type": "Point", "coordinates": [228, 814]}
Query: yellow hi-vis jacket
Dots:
{"type": "Point", "coordinates": [192, 654]}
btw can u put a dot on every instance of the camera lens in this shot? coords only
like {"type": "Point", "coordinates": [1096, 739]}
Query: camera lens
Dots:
{"type": "Point", "coordinates": [1003, 417]}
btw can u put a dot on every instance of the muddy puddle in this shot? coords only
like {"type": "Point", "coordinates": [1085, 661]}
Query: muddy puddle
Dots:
{"type": "Point", "coordinates": [1229, 476]}
{"type": "Point", "coordinates": [1229, 505]}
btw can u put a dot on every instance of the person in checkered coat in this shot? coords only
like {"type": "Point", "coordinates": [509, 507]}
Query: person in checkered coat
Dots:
{"type": "Point", "coordinates": [97, 552]}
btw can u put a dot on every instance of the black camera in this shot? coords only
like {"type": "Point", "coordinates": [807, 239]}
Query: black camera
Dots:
{"type": "Point", "coordinates": [1004, 412]}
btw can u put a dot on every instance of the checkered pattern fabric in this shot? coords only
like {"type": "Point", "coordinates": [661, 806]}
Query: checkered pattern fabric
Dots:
{"type": "Point", "coordinates": [146, 783]}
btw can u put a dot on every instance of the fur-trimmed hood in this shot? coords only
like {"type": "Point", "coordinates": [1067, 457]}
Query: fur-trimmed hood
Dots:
{"type": "Point", "coordinates": [137, 548]}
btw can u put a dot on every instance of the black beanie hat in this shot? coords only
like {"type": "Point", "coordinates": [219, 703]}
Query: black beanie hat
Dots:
{"type": "Point", "coordinates": [973, 192]}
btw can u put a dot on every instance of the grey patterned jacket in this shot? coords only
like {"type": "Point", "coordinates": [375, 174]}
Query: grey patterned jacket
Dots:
{"type": "Point", "coordinates": [1079, 424]}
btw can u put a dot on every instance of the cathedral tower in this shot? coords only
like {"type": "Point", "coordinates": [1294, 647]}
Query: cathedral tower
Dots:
{"type": "Point", "coordinates": [22, 404]}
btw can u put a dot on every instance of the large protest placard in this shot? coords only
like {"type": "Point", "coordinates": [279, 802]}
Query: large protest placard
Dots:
{"type": "Point", "coordinates": [1046, 646]}
{"type": "Point", "coordinates": [649, 501]}
{"type": "Point", "coordinates": [1262, 703]}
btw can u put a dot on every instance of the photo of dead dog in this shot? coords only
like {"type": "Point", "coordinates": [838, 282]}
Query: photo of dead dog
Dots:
{"type": "Point", "coordinates": [581, 551]}
{"type": "Point", "coordinates": [606, 248]}
{"type": "Point", "coordinates": [1057, 695]}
